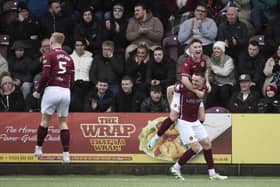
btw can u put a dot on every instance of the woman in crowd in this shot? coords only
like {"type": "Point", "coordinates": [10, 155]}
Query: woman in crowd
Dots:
{"type": "Point", "coordinates": [221, 77]}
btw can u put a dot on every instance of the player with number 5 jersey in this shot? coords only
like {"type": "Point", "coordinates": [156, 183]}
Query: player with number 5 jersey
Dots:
{"type": "Point", "coordinates": [57, 76]}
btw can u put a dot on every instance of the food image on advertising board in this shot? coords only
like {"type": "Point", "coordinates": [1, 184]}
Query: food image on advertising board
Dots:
{"type": "Point", "coordinates": [169, 145]}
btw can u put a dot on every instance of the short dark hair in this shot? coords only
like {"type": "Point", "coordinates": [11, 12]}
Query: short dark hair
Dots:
{"type": "Point", "coordinates": [80, 39]}
{"type": "Point", "coordinates": [254, 43]}
{"type": "Point", "coordinates": [141, 4]}
{"type": "Point", "coordinates": [202, 4]}
{"type": "Point", "coordinates": [127, 77]}
{"type": "Point", "coordinates": [50, 2]}
{"type": "Point", "coordinates": [156, 88]}
{"type": "Point", "coordinates": [103, 80]}
{"type": "Point", "coordinates": [195, 41]}
{"type": "Point", "coordinates": [199, 73]}
{"type": "Point", "coordinates": [158, 49]}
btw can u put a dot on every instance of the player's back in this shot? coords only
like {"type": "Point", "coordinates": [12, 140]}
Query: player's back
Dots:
{"type": "Point", "coordinates": [61, 68]}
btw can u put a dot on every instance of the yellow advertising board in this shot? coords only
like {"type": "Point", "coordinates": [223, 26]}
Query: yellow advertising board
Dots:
{"type": "Point", "coordinates": [255, 138]}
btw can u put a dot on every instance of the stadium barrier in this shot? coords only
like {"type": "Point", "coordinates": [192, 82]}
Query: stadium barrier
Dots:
{"type": "Point", "coordinates": [120, 138]}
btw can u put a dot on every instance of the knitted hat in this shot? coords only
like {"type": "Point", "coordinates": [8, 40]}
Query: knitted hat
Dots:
{"type": "Point", "coordinates": [272, 87]}
{"type": "Point", "coordinates": [6, 79]}
{"type": "Point", "coordinates": [221, 45]}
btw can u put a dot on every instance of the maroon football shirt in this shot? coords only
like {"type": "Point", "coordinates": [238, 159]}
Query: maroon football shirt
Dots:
{"type": "Point", "coordinates": [189, 66]}
{"type": "Point", "coordinates": [58, 70]}
{"type": "Point", "coordinates": [189, 105]}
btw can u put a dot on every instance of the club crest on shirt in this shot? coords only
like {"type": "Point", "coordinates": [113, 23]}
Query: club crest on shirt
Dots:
{"type": "Point", "coordinates": [44, 61]}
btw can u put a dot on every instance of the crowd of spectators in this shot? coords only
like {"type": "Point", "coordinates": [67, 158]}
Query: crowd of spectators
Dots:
{"type": "Point", "coordinates": [123, 65]}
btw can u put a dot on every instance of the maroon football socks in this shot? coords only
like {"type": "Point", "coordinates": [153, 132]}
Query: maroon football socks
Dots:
{"type": "Point", "coordinates": [209, 158]}
{"type": "Point", "coordinates": [164, 126]}
{"type": "Point", "coordinates": [41, 134]}
{"type": "Point", "coordinates": [65, 139]}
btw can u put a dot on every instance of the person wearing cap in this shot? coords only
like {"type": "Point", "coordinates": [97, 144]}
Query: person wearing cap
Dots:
{"type": "Point", "coordinates": [220, 73]}
{"type": "Point", "coordinates": [271, 101]}
{"type": "Point", "coordinates": [245, 100]}
{"type": "Point", "coordinates": [155, 102]}
{"type": "Point", "coordinates": [11, 98]}
{"type": "Point", "coordinates": [115, 28]}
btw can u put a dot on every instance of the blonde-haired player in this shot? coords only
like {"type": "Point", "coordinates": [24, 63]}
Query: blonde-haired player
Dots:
{"type": "Point", "coordinates": [57, 76]}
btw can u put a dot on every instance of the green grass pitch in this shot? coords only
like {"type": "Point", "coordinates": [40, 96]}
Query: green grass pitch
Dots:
{"type": "Point", "coordinates": [133, 181]}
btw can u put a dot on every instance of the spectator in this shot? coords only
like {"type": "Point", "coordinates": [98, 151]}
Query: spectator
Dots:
{"type": "Point", "coordinates": [161, 70]}
{"type": "Point", "coordinates": [221, 77]}
{"type": "Point", "coordinates": [252, 62]}
{"type": "Point", "coordinates": [21, 67]}
{"type": "Point", "coordinates": [11, 98]}
{"type": "Point", "coordinates": [156, 102]}
{"type": "Point", "coordinates": [3, 64]}
{"type": "Point", "coordinates": [244, 9]}
{"type": "Point", "coordinates": [89, 29]}
{"type": "Point", "coordinates": [262, 12]}
{"type": "Point", "coordinates": [25, 28]}
{"type": "Point", "coordinates": [108, 66]}
{"type": "Point", "coordinates": [178, 11]}
{"type": "Point", "coordinates": [271, 102]}
{"type": "Point", "coordinates": [55, 21]}
{"type": "Point", "coordinates": [44, 48]}
{"type": "Point", "coordinates": [102, 9]}
{"type": "Point", "coordinates": [37, 8]}
{"type": "Point", "coordinates": [99, 99]}
{"type": "Point", "coordinates": [33, 104]}
{"type": "Point", "coordinates": [137, 67]}
{"type": "Point", "coordinates": [115, 29]}
{"type": "Point", "coordinates": [143, 27]}
{"type": "Point", "coordinates": [234, 33]}
{"type": "Point", "coordinates": [272, 37]}
{"type": "Point", "coordinates": [199, 27]}
{"type": "Point", "coordinates": [128, 99]}
{"type": "Point", "coordinates": [245, 100]}
{"type": "Point", "coordinates": [272, 69]}
{"type": "Point", "coordinates": [129, 7]}
{"type": "Point", "coordinates": [82, 62]}
{"type": "Point", "coordinates": [159, 8]}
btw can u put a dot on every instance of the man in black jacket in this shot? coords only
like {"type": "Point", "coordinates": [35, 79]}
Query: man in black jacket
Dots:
{"type": "Point", "coordinates": [127, 100]}
{"type": "Point", "coordinates": [245, 100]}
{"type": "Point", "coordinates": [252, 62]}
